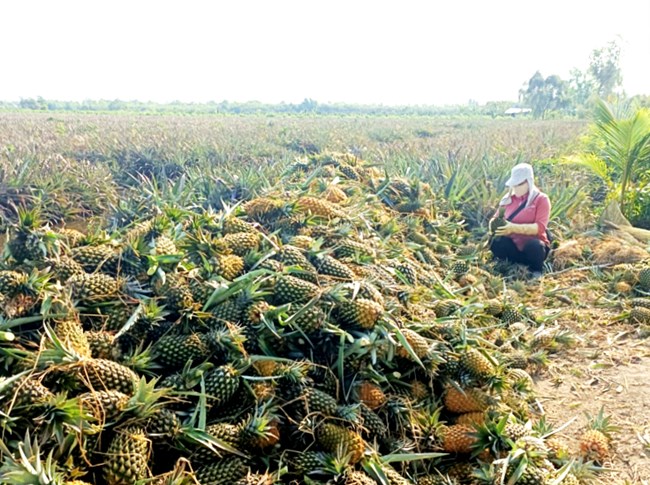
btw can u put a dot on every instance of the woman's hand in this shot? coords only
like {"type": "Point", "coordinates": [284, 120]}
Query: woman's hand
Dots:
{"type": "Point", "coordinates": [510, 228]}
{"type": "Point", "coordinates": [506, 230]}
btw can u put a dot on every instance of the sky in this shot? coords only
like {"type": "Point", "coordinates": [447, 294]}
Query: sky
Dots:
{"type": "Point", "coordinates": [400, 52]}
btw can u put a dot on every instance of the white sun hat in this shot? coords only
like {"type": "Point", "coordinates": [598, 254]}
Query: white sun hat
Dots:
{"type": "Point", "coordinates": [520, 173]}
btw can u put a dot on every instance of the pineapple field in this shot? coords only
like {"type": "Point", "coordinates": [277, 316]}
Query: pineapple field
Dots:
{"type": "Point", "coordinates": [309, 300]}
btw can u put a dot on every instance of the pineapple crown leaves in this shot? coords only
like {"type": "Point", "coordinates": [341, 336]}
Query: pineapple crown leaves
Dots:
{"type": "Point", "coordinates": [61, 417]}
{"type": "Point", "coordinates": [491, 435]}
{"type": "Point", "coordinates": [147, 399]}
{"type": "Point", "coordinates": [222, 293]}
{"type": "Point", "coordinates": [600, 422]}
{"type": "Point", "coordinates": [28, 468]}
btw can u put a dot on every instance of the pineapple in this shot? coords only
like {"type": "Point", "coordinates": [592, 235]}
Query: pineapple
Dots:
{"type": "Point", "coordinates": [103, 345]}
{"type": "Point", "coordinates": [640, 315]}
{"type": "Point", "coordinates": [409, 273]}
{"type": "Point", "coordinates": [370, 394]}
{"type": "Point", "coordinates": [308, 319]}
{"type": "Point", "coordinates": [228, 266]}
{"type": "Point", "coordinates": [104, 405]}
{"type": "Point", "coordinates": [511, 315]}
{"type": "Point", "coordinates": [421, 346]}
{"type": "Point", "coordinates": [174, 351]}
{"type": "Point", "coordinates": [318, 207]}
{"type": "Point", "coordinates": [359, 312]}
{"type": "Point", "coordinates": [71, 334]}
{"type": "Point", "coordinates": [242, 242]}
{"type": "Point", "coordinates": [25, 392]}
{"type": "Point", "coordinates": [71, 237]}
{"type": "Point", "coordinates": [127, 457]}
{"type": "Point", "coordinates": [458, 438]}
{"type": "Point", "coordinates": [263, 209]}
{"type": "Point", "coordinates": [476, 364]}
{"type": "Point", "coordinates": [334, 194]}
{"type": "Point", "coordinates": [594, 443]}
{"type": "Point", "coordinates": [328, 265]}
{"type": "Point", "coordinates": [444, 308]}
{"type": "Point", "coordinates": [176, 293]}
{"type": "Point", "coordinates": [644, 278]}
{"type": "Point", "coordinates": [316, 401]}
{"type": "Point", "coordinates": [307, 461]}
{"type": "Point", "coordinates": [349, 248]}
{"type": "Point", "coordinates": [471, 418]}
{"type": "Point", "coordinates": [338, 439]}
{"type": "Point", "coordinates": [289, 289]}
{"type": "Point", "coordinates": [11, 282]}
{"type": "Point", "coordinates": [354, 477]}
{"type": "Point", "coordinates": [459, 268]}
{"type": "Point", "coordinates": [221, 384]}
{"type": "Point", "coordinates": [64, 267]}
{"type": "Point", "coordinates": [102, 374]}
{"type": "Point", "coordinates": [469, 400]}
{"type": "Point", "coordinates": [92, 258]}
{"type": "Point", "coordinates": [29, 240]}
{"type": "Point", "coordinates": [225, 471]}
{"type": "Point", "coordinates": [94, 288]}
{"type": "Point", "coordinates": [163, 424]}
{"type": "Point", "coordinates": [234, 225]}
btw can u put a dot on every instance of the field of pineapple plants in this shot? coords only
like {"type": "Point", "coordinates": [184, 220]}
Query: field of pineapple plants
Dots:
{"type": "Point", "coordinates": [304, 300]}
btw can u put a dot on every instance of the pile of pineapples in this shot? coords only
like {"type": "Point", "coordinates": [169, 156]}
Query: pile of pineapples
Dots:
{"type": "Point", "coordinates": [338, 329]}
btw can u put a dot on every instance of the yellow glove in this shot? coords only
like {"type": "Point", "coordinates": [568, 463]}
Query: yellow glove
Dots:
{"type": "Point", "coordinates": [524, 229]}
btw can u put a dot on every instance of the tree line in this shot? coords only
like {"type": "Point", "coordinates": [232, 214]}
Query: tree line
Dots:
{"type": "Point", "coordinates": [578, 95]}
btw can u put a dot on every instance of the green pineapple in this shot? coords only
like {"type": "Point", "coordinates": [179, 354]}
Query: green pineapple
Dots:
{"type": "Point", "coordinates": [163, 424]}
{"type": "Point", "coordinates": [459, 268]}
{"type": "Point", "coordinates": [289, 289]}
{"type": "Point", "coordinates": [328, 265]}
{"type": "Point", "coordinates": [25, 392]}
{"type": "Point", "coordinates": [476, 364]}
{"type": "Point", "coordinates": [511, 315]}
{"type": "Point", "coordinates": [64, 267]}
{"type": "Point", "coordinates": [228, 433]}
{"type": "Point", "coordinates": [71, 334]}
{"type": "Point", "coordinates": [644, 278]}
{"type": "Point", "coordinates": [335, 438]}
{"type": "Point", "coordinates": [292, 256]}
{"type": "Point", "coordinates": [225, 471]}
{"type": "Point", "coordinates": [348, 248]}
{"type": "Point", "coordinates": [104, 405]}
{"type": "Point", "coordinates": [174, 351]}
{"type": "Point", "coordinates": [92, 258]}
{"type": "Point", "coordinates": [307, 461]}
{"type": "Point", "coordinates": [103, 345]}
{"type": "Point", "coordinates": [176, 293]}
{"type": "Point", "coordinates": [11, 282]}
{"type": "Point", "coordinates": [308, 319]}
{"type": "Point", "coordinates": [102, 374]}
{"type": "Point", "coordinates": [409, 273]}
{"type": "Point", "coordinates": [444, 308]}
{"type": "Point", "coordinates": [127, 457]}
{"type": "Point", "coordinates": [221, 384]}
{"type": "Point", "coordinates": [233, 225]}
{"type": "Point", "coordinates": [359, 312]}
{"type": "Point", "coordinates": [29, 239]}
{"type": "Point", "coordinates": [640, 315]}
{"type": "Point", "coordinates": [94, 288]}
{"type": "Point", "coordinates": [242, 242]}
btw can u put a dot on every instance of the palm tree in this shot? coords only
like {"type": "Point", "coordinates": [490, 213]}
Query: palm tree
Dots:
{"type": "Point", "coordinates": [620, 147]}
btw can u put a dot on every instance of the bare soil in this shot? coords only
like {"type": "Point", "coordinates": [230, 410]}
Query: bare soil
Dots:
{"type": "Point", "coordinates": [608, 367]}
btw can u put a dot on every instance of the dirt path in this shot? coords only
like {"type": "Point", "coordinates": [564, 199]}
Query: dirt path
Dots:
{"type": "Point", "coordinates": [608, 367]}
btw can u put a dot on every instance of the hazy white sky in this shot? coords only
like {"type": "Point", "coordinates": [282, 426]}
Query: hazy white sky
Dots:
{"type": "Point", "coordinates": [390, 52]}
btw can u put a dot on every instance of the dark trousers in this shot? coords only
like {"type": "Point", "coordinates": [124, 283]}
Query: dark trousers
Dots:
{"type": "Point", "coordinates": [533, 255]}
